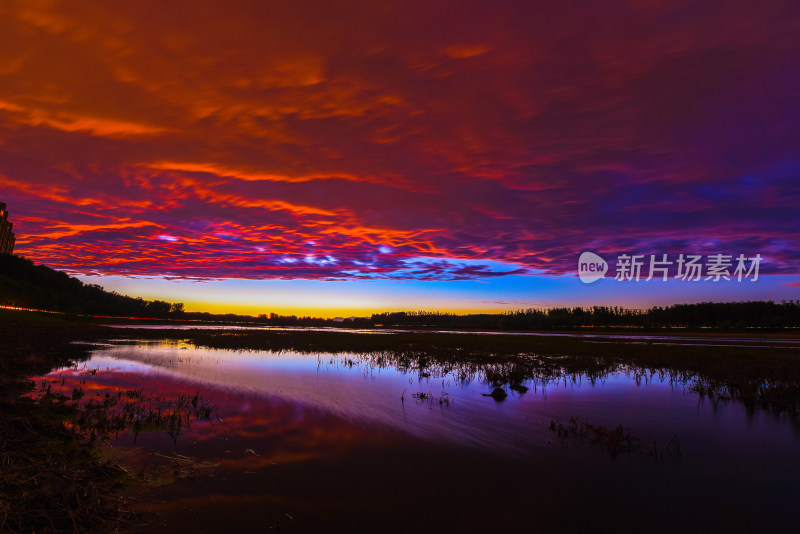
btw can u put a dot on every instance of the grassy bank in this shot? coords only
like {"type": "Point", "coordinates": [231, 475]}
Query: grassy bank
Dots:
{"type": "Point", "coordinates": [56, 476]}
{"type": "Point", "coordinates": [51, 479]}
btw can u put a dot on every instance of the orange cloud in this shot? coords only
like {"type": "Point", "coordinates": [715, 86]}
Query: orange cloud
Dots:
{"type": "Point", "coordinates": [348, 140]}
{"type": "Point", "coordinates": [69, 122]}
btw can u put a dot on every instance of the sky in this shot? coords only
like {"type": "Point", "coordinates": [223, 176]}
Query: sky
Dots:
{"type": "Point", "coordinates": [344, 158]}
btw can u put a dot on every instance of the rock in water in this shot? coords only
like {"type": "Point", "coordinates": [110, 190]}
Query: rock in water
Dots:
{"type": "Point", "coordinates": [498, 394]}
{"type": "Point", "coordinates": [519, 388]}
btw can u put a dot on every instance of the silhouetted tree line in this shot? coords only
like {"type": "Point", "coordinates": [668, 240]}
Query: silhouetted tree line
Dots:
{"type": "Point", "coordinates": [718, 315]}
{"type": "Point", "coordinates": [274, 319]}
{"type": "Point", "coordinates": [24, 284]}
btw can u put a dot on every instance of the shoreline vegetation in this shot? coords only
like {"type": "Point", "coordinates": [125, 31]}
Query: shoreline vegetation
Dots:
{"type": "Point", "coordinates": [758, 377]}
{"type": "Point", "coordinates": [57, 473]}
{"type": "Point", "coordinates": [51, 480]}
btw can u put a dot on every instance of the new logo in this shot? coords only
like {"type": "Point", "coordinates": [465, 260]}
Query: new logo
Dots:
{"type": "Point", "coordinates": [591, 267]}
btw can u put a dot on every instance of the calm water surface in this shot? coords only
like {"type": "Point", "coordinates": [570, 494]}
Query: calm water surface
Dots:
{"type": "Point", "coordinates": [672, 339]}
{"type": "Point", "coordinates": [325, 442]}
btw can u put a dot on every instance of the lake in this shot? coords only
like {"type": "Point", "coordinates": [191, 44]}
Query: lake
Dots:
{"type": "Point", "coordinates": [310, 442]}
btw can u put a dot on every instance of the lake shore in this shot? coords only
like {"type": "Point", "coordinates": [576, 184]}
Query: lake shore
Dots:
{"type": "Point", "coordinates": [52, 479]}
{"type": "Point", "coordinates": [60, 464]}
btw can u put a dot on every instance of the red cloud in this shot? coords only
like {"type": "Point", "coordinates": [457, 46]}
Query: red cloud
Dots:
{"type": "Point", "coordinates": [278, 142]}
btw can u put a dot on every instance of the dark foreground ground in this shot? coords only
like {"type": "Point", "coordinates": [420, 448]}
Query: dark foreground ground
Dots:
{"type": "Point", "coordinates": [51, 480]}
{"type": "Point", "coordinates": [55, 479]}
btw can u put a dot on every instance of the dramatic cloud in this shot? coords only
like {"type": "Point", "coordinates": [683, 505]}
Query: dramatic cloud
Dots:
{"type": "Point", "coordinates": [393, 140]}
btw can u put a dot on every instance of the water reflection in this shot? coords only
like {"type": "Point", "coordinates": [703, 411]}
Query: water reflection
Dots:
{"type": "Point", "coordinates": [309, 441]}
{"type": "Point", "coordinates": [677, 339]}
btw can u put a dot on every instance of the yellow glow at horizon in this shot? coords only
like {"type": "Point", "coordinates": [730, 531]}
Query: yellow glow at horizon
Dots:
{"type": "Point", "coordinates": [323, 311]}
{"type": "Point", "coordinates": [301, 298]}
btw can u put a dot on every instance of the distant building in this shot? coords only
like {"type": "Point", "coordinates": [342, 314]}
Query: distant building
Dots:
{"type": "Point", "coordinates": [6, 235]}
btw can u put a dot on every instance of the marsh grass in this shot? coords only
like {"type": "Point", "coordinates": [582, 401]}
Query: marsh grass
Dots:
{"type": "Point", "coordinates": [53, 482]}
{"type": "Point", "coordinates": [767, 378]}
{"type": "Point", "coordinates": [54, 476]}
{"type": "Point", "coordinates": [614, 441]}
{"type": "Point", "coordinates": [430, 399]}
{"type": "Point", "coordinates": [103, 415]}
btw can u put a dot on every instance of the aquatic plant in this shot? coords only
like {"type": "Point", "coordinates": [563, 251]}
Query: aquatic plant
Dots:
{"type": "Point", "coordinates": [759, 377]}
{"type": "Point", "coordinates": [431, 399]}
{"type": "Point", "coordinates": [106, 414]}
{"type": "Point", "coordinates": [614, 441]}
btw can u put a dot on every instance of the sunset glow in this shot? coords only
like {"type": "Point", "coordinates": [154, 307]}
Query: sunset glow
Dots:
{"type": "Point", "coordinates": [345, 158]}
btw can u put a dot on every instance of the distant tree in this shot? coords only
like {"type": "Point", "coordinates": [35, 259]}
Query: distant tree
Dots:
{"type": "Point", "coordinates": [158, 308]}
